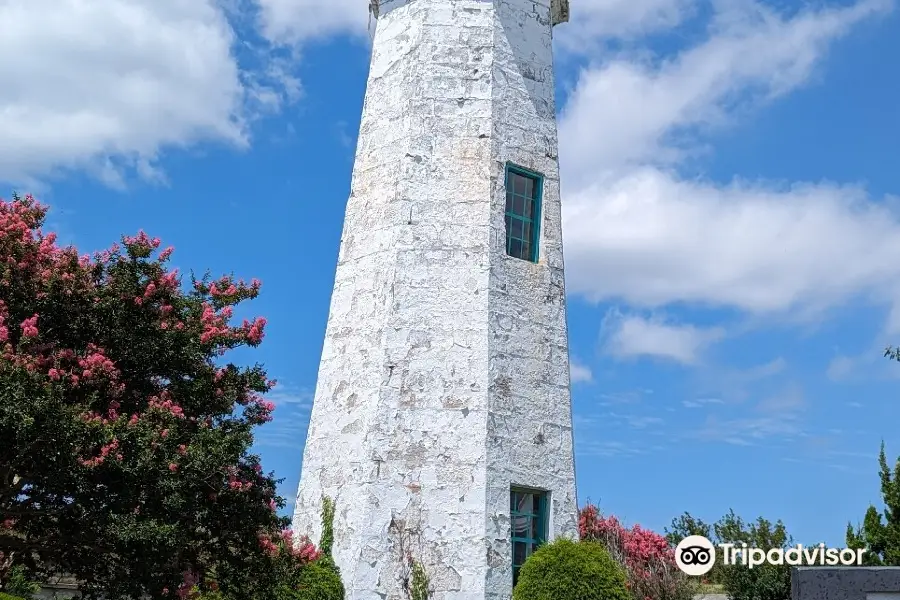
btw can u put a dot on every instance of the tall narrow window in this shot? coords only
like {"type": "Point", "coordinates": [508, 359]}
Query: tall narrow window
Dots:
{"type": "Point", "coordinates": [528, 517]}
{"type": "Point", "coordinates": [523, 211]}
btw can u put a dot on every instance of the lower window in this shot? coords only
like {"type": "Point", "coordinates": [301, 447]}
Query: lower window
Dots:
{"type": "Point", "coordinates": [528, 518]}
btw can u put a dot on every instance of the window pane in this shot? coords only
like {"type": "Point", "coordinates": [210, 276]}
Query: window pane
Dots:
{"type": "Point", "coordinates": [529, 187]}
{"type": "Point", "coordinates": [515, 576]}
{"type": "Point", "coordinates": [528, 209]}
{"type": "Point", "coordinates": [526, 232]}
{"type": "Point", "coordinates": [515, 248]}
{"type": "Point", "coordinates": [520, 526]}
{"type": "Point", "coordinates": [537, 528]}
{"type": "Point", "coordinates": [520, 553]}
{"type": "Point", "coordinates": [525, 504]}
{"type": "Point", "coordinates": [509, 201]}
{"type": "Point", "coordinates": [518, 208]}
{"type": "Point", "coordinates": [518, 184]}
{"type": "Point", "coordinates": [526, 251]}
{"type": "Point", "coordinates": [515, 229]}
{"type": "Point", "coordinates": [508, 219]}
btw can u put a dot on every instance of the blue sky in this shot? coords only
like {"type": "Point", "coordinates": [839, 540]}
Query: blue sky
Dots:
{"type": "Point", "coordinates": [730, 214]}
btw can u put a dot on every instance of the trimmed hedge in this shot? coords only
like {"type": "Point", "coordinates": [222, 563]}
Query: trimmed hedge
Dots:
{"type": "Point", "coordinates": [567, 570]}
{"type": "Point", "coordinates": [319, 580]}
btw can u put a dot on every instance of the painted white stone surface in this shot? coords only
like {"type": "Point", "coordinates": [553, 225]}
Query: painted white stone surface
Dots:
{"type": "Point", "coordinates": [444, 377]}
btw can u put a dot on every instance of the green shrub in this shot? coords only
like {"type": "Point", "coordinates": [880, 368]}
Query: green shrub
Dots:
{"type": "Point", "coordinates": [318, 580]}
{"type": "Point", "coordinates": [567, 570]}
{"type": "Point", "coordinates": [18, 585]}
{"type": "Point", "coordinates": [8, 597]}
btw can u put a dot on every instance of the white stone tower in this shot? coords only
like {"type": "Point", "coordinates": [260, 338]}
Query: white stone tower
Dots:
{"type": "Point", "coordinates": [442, 423]}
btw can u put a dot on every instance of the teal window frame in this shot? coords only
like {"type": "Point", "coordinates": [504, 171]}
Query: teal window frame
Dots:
{"type": "Point", "coordinates": [538, 524]}
{"type": "Point", "coordinates": [533, 239]}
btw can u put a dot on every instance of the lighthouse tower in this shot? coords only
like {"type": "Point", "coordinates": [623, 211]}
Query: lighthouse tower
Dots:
{"type": "Point", "coordinates": [441, 426]}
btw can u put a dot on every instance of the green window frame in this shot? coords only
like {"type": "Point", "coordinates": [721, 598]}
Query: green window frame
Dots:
{"type": "Point", "coordinates": [523, 212]}
{"type": "Point", "coordinates": [528, 524]}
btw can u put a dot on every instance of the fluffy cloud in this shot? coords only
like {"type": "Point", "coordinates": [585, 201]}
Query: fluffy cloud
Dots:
{"type": "Point", "coordinates": [639, 232]}
{"type": "Point", "coordinates": [634, 336]}
{"type": "Point", "coordinates": [591, 21]}
{"type": "Point", "coordinates": [594, 21]}
{"type": "Point", "coordinates": [652, 239]}
{"type": "Point", "coordinates": [108, 84]}
{"type": "Point", "coordinates": [631, 110]}
{"type": "Point", "coordinates": [294, 21]}
{"type": "Point", "coordinates": [579, 372]}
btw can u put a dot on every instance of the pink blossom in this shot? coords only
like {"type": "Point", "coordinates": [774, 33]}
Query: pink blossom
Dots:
{"type": "Point", "coordinates": [29, 327]}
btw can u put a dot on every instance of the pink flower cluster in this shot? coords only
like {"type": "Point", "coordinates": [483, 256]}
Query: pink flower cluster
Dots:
{"type": "Point", "coordinates": [105, 451]}
{"type": "Point", "coordinates": [29, 327]}
{"type": "Point", "coordinates": [238, 485]}
{"type": "Point", "coordinates": [165, 403]}
{"type": "Point", "coordinates": [254, 330]}
{"type": "Point", "coordinates": [301, 549]}
{"type": "Point", "coordinates": [142, 241]}
{"type": "Point", "coordinates": [647, 557]}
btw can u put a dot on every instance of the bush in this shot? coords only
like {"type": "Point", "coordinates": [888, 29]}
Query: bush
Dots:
{"type": "Point", "coordinates": [647, 557]}
{"type": "Point", "coordinates": [17, 584]}
{"type": "Point", "coordinates": [318, 580]}
{"type": "Point", "coordinates": [8, 597]}
{"type": "Point", "coordinates": [567, 570]}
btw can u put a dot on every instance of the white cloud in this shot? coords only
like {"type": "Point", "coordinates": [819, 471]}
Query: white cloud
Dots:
{"type": "Point", "coordinates": [107, 85]}
{"type": "Point", "coordinates": [580, 373]}
{"type": "Point", "coordinates": [634, 336]}
{"type": "Point", "coordinates": [701, 402]}
{"type": "Point", "coordinates": [294, 21]}
{"type": "Point", "coordinates": [639, 232]}
{"type": "Point", "coordinates": [593, 21]}
{"type": "Point", "coordinates": [745, 245]}
{"type": "Point", "coordinates": [627, 109]}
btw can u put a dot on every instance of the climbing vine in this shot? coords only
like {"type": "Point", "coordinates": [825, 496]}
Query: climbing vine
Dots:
{"type": "Point", "coordinates": [327, 540]}
{"type": "Point", "coordinates": [419, 585]}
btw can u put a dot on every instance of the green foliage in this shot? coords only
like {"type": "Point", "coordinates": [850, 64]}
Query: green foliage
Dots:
{"type": "Point", "coordinates": [321, 580]}
{"type": "Point", "coordinates": [318, 580]}
{"type": "Point", "coordinates": [125, 434]}
{"type": "Point", "coordinates": [4, 596]}
{"type": "Point", "coordinates": [763, 582]}
{"type": "Point", "coordinates": [687, 525]}
{"type": "Point", "coordinates": [17, 584]}
{"type": "Point", "coordinates": [567, 570]}
{"type": "Point", "coordinates": [880, 531]}
{"type": "Point", "coordinates": [419, 587]}
{"type": "Point", "coordinates": [327, 540]}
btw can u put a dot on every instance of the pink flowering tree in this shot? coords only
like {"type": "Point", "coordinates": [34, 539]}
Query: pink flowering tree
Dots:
{"type": "Point", "coordinates": [124, 432]}
{"type": "Point", "coordinates": [646, 556]}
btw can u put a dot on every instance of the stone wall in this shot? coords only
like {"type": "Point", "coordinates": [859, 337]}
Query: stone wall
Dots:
{"type": "Point", "coordinates": [444, 376]}
{"type": "Point", "coordinates": [845, 583]}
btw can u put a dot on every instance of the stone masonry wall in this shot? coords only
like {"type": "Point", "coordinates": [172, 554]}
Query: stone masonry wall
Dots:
{"type": "Point", "coordinates": [444, 372]}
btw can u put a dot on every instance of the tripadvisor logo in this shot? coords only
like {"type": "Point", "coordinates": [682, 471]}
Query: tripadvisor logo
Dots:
{"type": "Point", "coordinates": [696, 555]}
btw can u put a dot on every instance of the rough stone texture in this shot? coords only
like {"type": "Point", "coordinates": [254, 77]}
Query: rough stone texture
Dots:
{"type": "Point", "coordinates": [845, 583]}
{"type": "Point", "coordinates": [444, 377]}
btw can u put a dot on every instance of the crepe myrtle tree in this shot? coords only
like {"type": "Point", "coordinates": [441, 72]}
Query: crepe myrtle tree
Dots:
{"type": "Point", "coordinates": [124, 434]}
